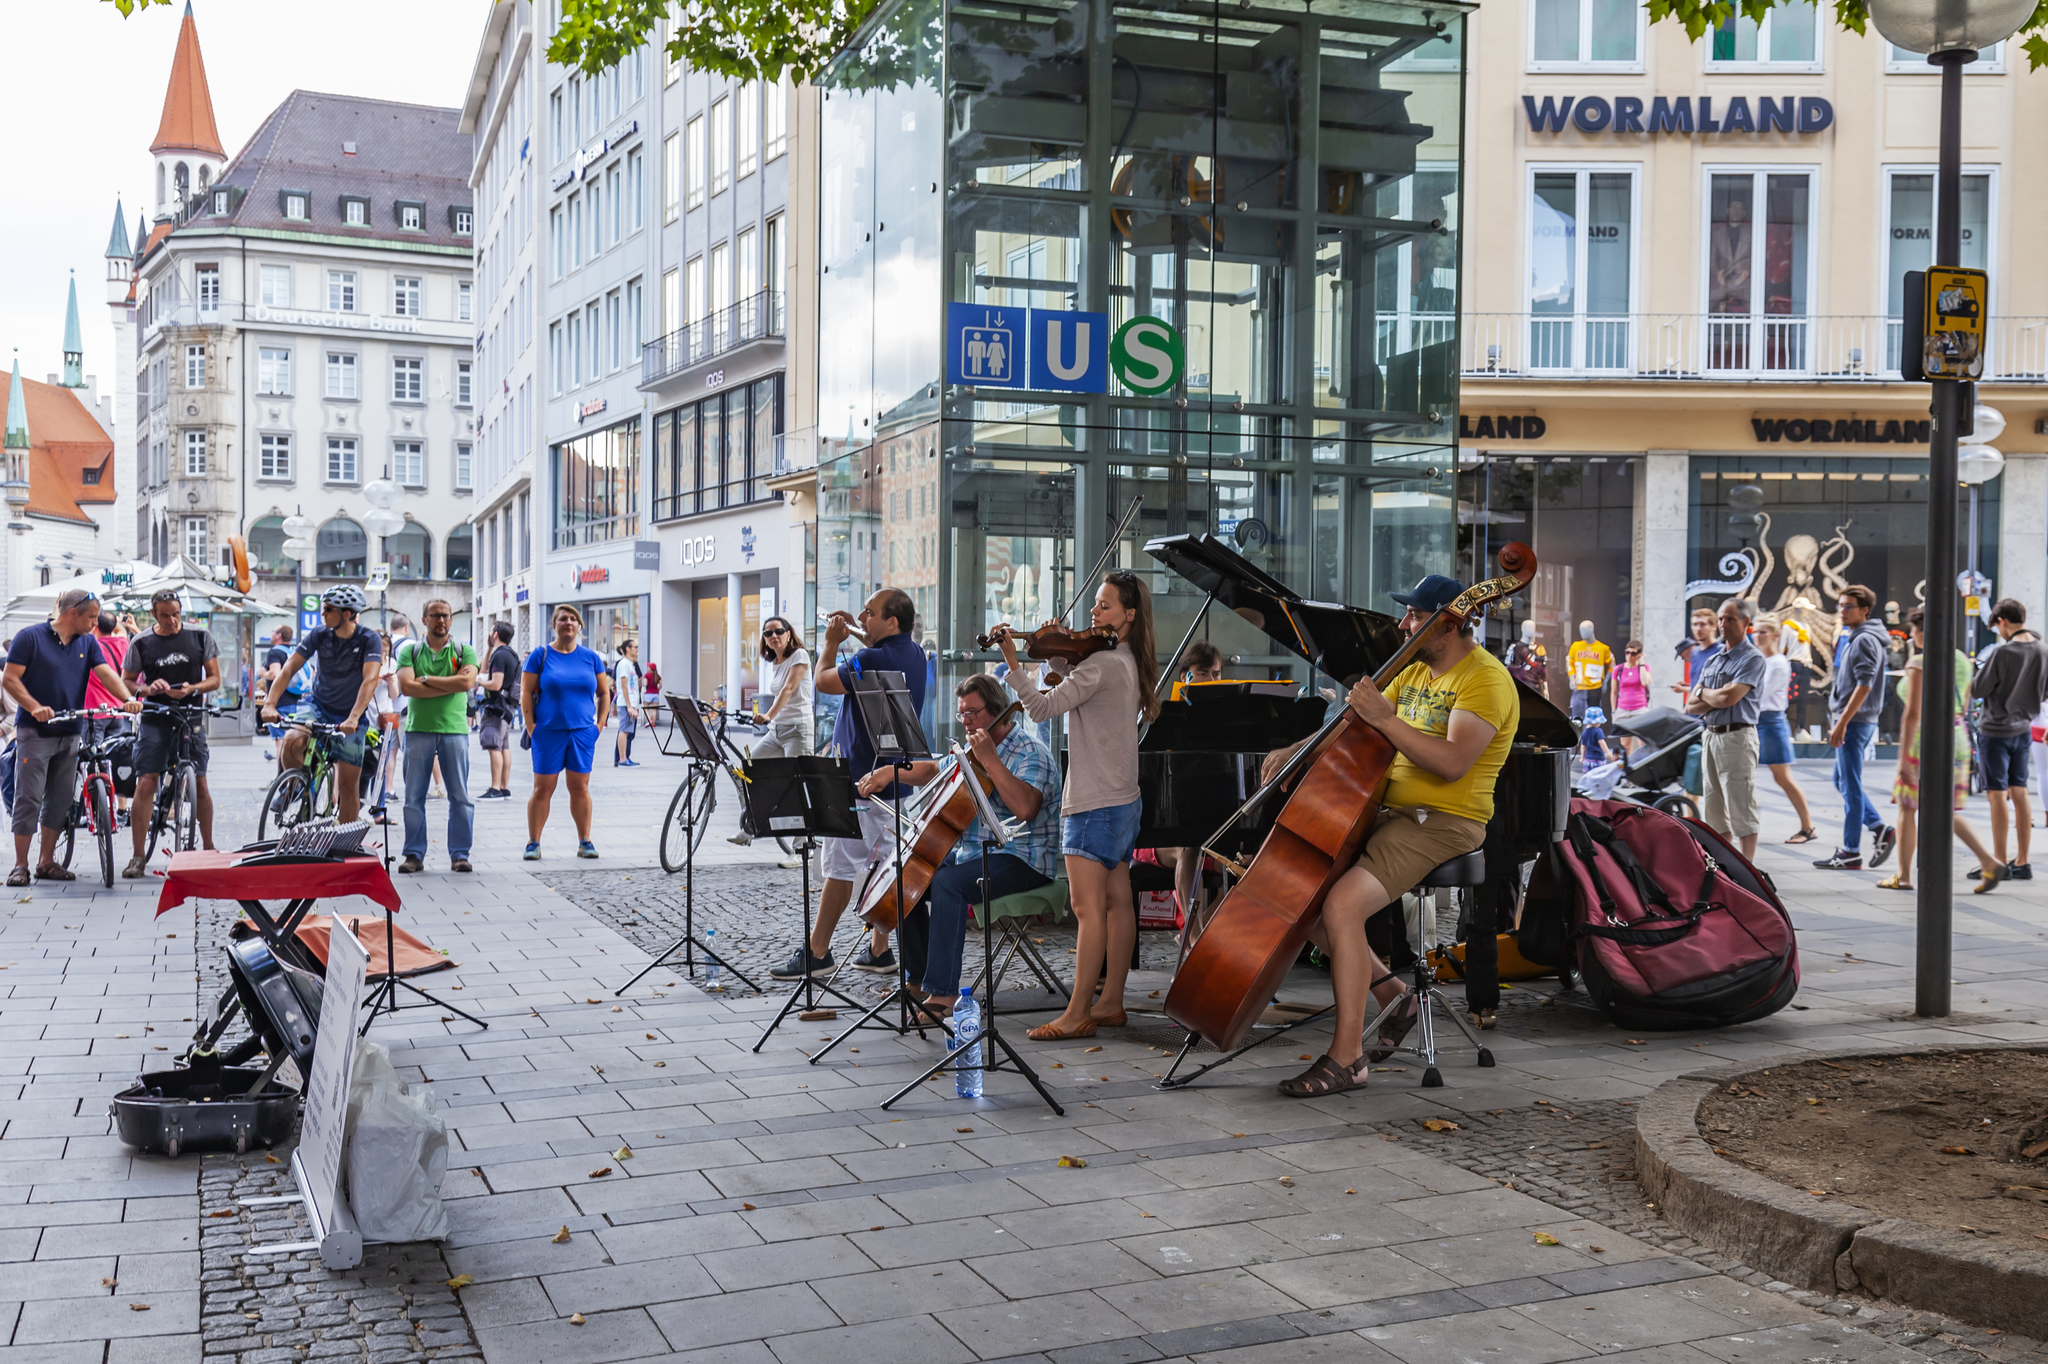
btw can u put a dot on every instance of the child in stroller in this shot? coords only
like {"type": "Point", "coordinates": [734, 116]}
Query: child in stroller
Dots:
{"type": "Point", "coordinates": [1654, 774]}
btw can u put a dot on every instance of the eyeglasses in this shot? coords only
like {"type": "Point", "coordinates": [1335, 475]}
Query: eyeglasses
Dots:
{"type": "Point", "coordinates": [968, 713]}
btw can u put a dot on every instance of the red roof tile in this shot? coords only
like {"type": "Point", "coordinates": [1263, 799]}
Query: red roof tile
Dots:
{"type": "Point", "coordinates": [65, 440]}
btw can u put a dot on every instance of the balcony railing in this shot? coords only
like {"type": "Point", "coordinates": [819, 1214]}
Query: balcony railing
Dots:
{"type": "Point", "coordinates": [758, 318]}
{"type": "Point", "coordinates": [1710, 346]}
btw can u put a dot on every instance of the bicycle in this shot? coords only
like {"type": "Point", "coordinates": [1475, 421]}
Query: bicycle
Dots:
{"type": "Point", "coordinates": [176, 809]}
{"type": "Point", "coordinates": [299, 794]}
{"type": "Point", "coordinates": [689, 812]}
{"type": "Point", "coordinates": [92, 808]}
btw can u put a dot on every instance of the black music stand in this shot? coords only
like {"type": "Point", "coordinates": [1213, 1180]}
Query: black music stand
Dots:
{"type": "Point", "coordinates": [898, 738]}
{"type": "Point", "coordinates": [998, 836]}
{"type": "Point", "coordinates": [702, 751]}
{"type": "Point", "coordinates": [812, 797]}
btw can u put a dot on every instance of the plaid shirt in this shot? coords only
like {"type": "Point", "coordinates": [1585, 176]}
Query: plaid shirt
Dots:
{"type": "Point", "coordinates": [1031, 762]}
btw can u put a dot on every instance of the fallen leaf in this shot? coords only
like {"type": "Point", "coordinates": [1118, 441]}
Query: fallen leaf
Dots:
{"type": "Point", "coordinates": [109, 1283]}
{"type": "Point", "coordinates": [1440, 1125]}
{"type": "Point", "coordinates": [1597, 1146]}
{"type": "Point", "coordinates": [2026, 1193]}
{"type": "Point", "coordinates": [272, 1159]}
{"type": "Point", "coordinates": [1086, 1050]}
{"type": "Point", "coordinates": [459, 1282]}
{"type": "Point", "coordinates": [1144, 1214]}
{"type": "Point", "coordinates": [2036, 1149]}
{"type": "Point", "coordinates": [576, 1319]}
{"type": "Point", "coordinates": [1544, 1238]}
{"type": "Point", "coordinates": [1597, 1250]}
{"type": "Point", "coordinates": [661, 1065]}
{"type": "Point", "coordinates": [618, 1008]}
{"type": "Point", "coordinates": [650, 1037]}
{"type": "Point", "coordinates": [593, 1001]}
{"type": "Point", "coordinates": [224, 1212]}
{"type": "Point", "coordinates": [600, 1174]}
{"type": "Point", "coordinates": [746, 1207]}
{"type": "Point", "coordinates": [138, 1307]}
{"type": "Point", "coordinates": [1059, 1065]}
{"type": "Point", "coordinates": [1351, 1191]}
{"type": "Point", "coordinates": [963, 1129]}
{"type": "Point", "coordinates": [1072, 1163]}
{"type": "Point", "coordinates": [1153, 995]}
{"type": "Point", "coordinates": [1957, 1151]}
{"type": "Point", "coordinates": [623, 1153]}
{"type": "Point", "coordinates": [1637, 1042]}
{"type": "Point", "coordinates": [1287, 1181]}
{"type": "Point", "coordinates": [1304, 1057]}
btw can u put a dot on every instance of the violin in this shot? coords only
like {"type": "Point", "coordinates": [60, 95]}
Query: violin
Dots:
{"type": "Point", "coordinates": [937, 824]}
{"type": "Point", "coordinates": [1258, 929]}
{"type": "Point", "coordinates": [1054, 642]}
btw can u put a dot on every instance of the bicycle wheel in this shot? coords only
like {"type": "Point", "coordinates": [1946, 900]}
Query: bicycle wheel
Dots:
{"type": "Point", "coordinates": [99, 812]}
{"type": "Point", "coordinates": [67, 837]}
{"type": "Point", "coordinates": [185, 808]}
{"type": "Point", "coordinates": [289, 801]}
{"type": "Point", "coordinates": [688, 816]}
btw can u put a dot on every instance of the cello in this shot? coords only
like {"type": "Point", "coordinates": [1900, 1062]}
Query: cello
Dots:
{"type": "Point", "coordinates": [1258, 929]}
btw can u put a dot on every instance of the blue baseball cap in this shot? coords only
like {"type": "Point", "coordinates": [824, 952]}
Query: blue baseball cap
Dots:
{"type": "Point", "coordinates": [1432, 594]}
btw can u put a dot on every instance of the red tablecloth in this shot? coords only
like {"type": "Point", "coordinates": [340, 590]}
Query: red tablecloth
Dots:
{"type": "Point", "coordinates": [220, 876]}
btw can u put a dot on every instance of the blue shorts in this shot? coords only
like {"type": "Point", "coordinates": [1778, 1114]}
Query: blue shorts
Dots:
{"type": "Point", "coordinates": [1106, 835]}
{"type": "Point", "coordinates": [346, 748]}
{"type": "Point", "coordinates": [557, 749]}
{"type": "Point", "coordinates": [1773, 738]}
{"type": "Point", "coordinates": [2005, 758]}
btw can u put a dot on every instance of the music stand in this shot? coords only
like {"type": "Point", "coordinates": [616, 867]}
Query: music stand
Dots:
{"type": "Point", "coordinates": [702, 751]}
{"type": "Point", "coordinates": [954, 1060]}
{"type": "Point", "coordinates": [898, 739]}
{"type": "Point", "coordinates": [812, 797]}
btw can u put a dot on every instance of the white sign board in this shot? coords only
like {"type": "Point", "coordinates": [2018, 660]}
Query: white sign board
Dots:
{"type": "Point", "coordinates": [334, 1056]}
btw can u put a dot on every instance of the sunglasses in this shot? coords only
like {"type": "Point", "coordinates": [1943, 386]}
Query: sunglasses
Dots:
{"type": "Point", "coordinates": [773, 634]}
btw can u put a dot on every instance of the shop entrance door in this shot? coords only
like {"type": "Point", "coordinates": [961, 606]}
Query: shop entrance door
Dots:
{"type": "Point", "coordinates": [712, 645]}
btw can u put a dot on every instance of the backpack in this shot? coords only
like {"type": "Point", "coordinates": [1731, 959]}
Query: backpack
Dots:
{"type": "Point", "coordinates": [1670, 927]}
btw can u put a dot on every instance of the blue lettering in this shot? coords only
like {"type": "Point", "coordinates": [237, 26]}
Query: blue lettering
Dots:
{"type": "Point", "coordinates": [1770, 117]}
{"type": "Point", "coordinates": [1707, 124]}
{"type": "Point", "coordinates": [1737, 119]}
{"type": "Point", "coordinates": [1815, 114]}
{"type": "Point", "coordinates": [1628, 114]}
{"type": "Point", "coordinates": [1551, 118]}
{"type": "Point", "coordinates": [1669, 116]}
{"type": "Point", "coordinates": [1592, 114]}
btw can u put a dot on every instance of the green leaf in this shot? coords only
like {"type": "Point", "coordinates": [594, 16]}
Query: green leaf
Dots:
{"type": "Point", "coordinates": [129, 7]}
{"type": "Point", "coordinates": [745, 39]}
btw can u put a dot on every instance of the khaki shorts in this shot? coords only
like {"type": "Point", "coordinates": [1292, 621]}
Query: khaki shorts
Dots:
{"type": "Point", "coordinates": [1401, 849]}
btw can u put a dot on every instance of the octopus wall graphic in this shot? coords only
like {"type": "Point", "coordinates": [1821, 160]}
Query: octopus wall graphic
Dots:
{"type": "Point", "coordinates": [1816, 572]}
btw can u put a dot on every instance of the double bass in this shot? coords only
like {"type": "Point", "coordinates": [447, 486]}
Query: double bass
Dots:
{"type": "Point", "coordinates": [1259, 928]}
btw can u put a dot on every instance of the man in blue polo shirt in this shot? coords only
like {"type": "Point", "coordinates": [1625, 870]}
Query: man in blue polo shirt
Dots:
{"type": "Point", "coordinates": [47, 670]}
{"type": "Point", "coordinates": [885, 621]}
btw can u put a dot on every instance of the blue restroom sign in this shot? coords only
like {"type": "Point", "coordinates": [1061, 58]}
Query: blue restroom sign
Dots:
{"type": "Point", "coordinates": [1069, 351]}
{"type": "Point", "coordinates": [985, 346]}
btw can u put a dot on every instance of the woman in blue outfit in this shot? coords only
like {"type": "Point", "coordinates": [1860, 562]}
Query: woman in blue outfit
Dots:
{"type": "Point", "coordinates": [566, 694]}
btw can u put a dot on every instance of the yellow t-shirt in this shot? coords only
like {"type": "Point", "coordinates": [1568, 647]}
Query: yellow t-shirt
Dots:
{"type": "Point", "coordinates": [1478, 683]}
{"type": "Point", "coordinates": [1589, 662]}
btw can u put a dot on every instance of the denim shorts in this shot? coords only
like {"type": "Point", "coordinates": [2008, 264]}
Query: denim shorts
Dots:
{"type": "Point", "coordinates": [1106, 835]}
{"type": "Point", "coordinates": [2005, 758]}
{"type": "Point", "coordinates": [346, 748]}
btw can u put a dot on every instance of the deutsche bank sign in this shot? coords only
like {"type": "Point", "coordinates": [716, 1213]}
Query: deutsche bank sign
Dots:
{"type": "Point", "coordinates": [1682, 114]}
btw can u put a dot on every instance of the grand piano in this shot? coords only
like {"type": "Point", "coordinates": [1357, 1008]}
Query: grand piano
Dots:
{"type": "Point", "coordinates": [1200, 760]}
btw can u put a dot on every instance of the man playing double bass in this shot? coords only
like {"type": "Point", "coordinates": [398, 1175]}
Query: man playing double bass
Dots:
{"type": "Point", "coordinates": [1451, 717]}
{"type": "Point", "coordinates": [1026, 779]}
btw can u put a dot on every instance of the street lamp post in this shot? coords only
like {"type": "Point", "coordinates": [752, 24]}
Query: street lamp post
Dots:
{"type": "Point", "coordinates": [1950, 33]}
{"type": "Point", "coordinates": [1976, 465]}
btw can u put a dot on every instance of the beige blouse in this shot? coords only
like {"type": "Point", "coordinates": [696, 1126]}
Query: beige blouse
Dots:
{"type": "Point", "coordinates": [1099, 697]}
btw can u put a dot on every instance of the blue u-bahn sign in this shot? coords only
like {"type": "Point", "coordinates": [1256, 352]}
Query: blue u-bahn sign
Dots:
{"type": "Point", "coordinates": [1035, 348]}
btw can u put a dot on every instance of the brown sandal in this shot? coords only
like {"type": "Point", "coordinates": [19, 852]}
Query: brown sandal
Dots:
{"type": "Point", "coordinates": [1326, 1077]}
{"type": "Point", "coordinates": [1118, 1019]}
{"type": "Point", "coordinates": [1394, 1029]}
{"type": "Point", "coordinates": [1051, 1032]}
{"type": "Point", "coordinates": [1803, 836]}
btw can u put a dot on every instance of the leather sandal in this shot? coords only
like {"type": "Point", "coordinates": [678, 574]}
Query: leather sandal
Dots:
{"type": "Point", "coordinates": [1116, 1020]}
{"type": "Point", "coordinates": [1052, 1032]}
{"type": "Point", "coordinates": [18, 877]}
{"type": "Point", "coordinates": [1394, 1029]}
{"type": "Point", "coordinates": [1326, 1077]}
{"type": "Point", "coordinates": [930, 1012]}
{"type": "Point", "coordinates": [1803, 836]}
{"type": "Point", "coordinates": [50, 871]}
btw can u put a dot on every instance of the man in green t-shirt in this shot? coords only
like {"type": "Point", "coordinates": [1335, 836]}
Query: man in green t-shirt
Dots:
{"type": "Point", "coordinates": [437, 674]}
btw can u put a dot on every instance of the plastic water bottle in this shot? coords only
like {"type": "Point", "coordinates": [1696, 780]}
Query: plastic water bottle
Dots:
{"type": "Point", "coordinates": [966, 1023]}
{"type": "Point", "coordinates": [712, 969]}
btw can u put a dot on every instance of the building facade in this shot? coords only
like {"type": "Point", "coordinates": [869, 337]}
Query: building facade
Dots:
{"type": "Point", "coordinates": [59, 481]}
{"type": "Point", "coordinates": [304, 324]}
{"type": "Point", "coordinates": [1682, 295]}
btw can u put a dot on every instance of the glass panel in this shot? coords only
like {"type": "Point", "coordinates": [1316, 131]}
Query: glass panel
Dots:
{"type": "Point", "coordinates": [1615, 25]}
{"type": "Point", "coordinates": [711, 493]}
{"type": "Point", "coordinates": [1610, 243]}
{"type": "Point", "coordinates": [1731, 236]}
{"type": "Point", "coordinates": [664, 465]}
{"type": "Point", "coordinates": [1735, 39]}
{"type": "Point", "coordinates": [1554, 243]}
{"type": "Point", "coordinates": [1554, 26]}
{"type": "Point", "coordinates": [1912, 235]}
{"type": "Point", "coordinates": [1794, 32]}
{"type": "Point", "coordinates": [1976, 208]}
{"type": "Point", "coordinates": [1785, 244]}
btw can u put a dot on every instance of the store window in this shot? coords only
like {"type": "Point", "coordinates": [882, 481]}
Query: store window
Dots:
{"type": "Point", "coordinates": [461, 553]}
{"type": "Point", "coordinates": [715, 453]}
{"type": "Point", "coordinates": [595, 481]}
{"type": "Point", "coordinates": [1582, 283]}
{"type": "Point", "coordinates": [1585, 33]}
{"type": "Point", "coordinates": [410, 552]}
{"type": "Point", "coordinates": [1909, 221]}
{"type": "Point", "coordinates": [1758, 265]}
{"type": "Point", "coordinates": [266, 547]}
{"type": "Point", "coordinates": [1788, 38]}
{"type": "Point", "coordinates": [1899, 62]}
{"type": "Point", "coordinates": [341, 550]}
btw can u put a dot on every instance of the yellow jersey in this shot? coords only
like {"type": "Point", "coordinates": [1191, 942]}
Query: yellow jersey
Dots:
{"type": "Point", "coordinates": [1478, 683]}
{"type": "Point", "coordinates": [1589, 662]}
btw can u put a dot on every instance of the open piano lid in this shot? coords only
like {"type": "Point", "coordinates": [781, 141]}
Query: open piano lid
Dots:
{"type": "Point", "coordinates": [1347, 642]}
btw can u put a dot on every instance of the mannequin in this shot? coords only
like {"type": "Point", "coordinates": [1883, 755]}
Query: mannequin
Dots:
{"type": "Point", "coordinates": [1589, 663]}
{"type": "Point", "coordinates": [1526, 662]}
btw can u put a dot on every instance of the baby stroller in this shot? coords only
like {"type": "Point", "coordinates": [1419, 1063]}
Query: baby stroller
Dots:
{"type": "Point", "coordinates": [1654, 774]}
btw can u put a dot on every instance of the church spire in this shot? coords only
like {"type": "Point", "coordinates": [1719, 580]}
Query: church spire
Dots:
{"type": "Point", "coordinates": [74, 340]}
{"type": "Point", "coordinates": [17, 412]}
{"type": "Point", "coordinates": [16, 451]}
{"type": "Point", "coordinates": [187, 123]}
{"type": "Point", "coordinates": [118, 246]}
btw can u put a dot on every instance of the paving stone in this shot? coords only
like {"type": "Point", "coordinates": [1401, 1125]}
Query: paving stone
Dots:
{"type": "Point", "coordinates": [1218, 1295]}
{"type": "Point", "coordinates": [1499, 1333]}
{"type": "Point", "coordinates": [748, 1315]}
{"type": "Point", "coordinates": [604, 1337]}
{"type": "Point", "coordinates": [70, 1319]}
{"type": "Point", "coordinates": [1042, 1324]}
{"type": "Point", "coordinates": [1349, 1276]}
{"type": "Point", "coordinates": [802, 1261]}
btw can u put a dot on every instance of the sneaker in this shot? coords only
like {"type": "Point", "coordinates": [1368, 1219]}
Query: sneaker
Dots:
{"type": "Point", "coordinates": [1882, 845]}
{"type": "Point", "coordinates": [533, 851]}
{"type": "Point", "coordinates": [493, 793]}
{"type": "Point", "coordinates": [437, 794]}
{"type": "Point", "coordinates": [629, 763]}
{"type": "Point", "coordinates": [586, 849]}
{"type": "Point", "coordinates": [2019, 871]}
{"type": "Point", "coordinates": [411, 863]}
{"type": "Point", "coordinates": [743, 838]}
{"type": "Point", "coordinates": [799, 961]}
{"type": "Point", "coordinates": [122, 819]}
{"type": "Point", "coordinates": [1840, 860]}
{"type": "Point", "coordinates": [136, 869]}
{"type": "Point", "coordinates": [883, 965]}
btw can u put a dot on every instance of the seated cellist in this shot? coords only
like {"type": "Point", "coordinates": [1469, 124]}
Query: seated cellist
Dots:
{"type": "Point", "coordinates": [1451, 717]}
{"type": "Point", "coordinates": [1027, 791]}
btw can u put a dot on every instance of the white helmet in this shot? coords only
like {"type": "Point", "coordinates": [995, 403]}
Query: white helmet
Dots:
{"type": "Point", "coordinates": [348, 598]}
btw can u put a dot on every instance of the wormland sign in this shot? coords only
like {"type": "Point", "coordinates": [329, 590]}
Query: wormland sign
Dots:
{"type": "Point", "coordinates": [1681, 114]}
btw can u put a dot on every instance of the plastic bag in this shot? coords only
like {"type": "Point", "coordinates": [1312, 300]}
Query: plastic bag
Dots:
{"type": "Point", "coordinates": [397, 1153]}
{"type": "Point", "coordinates": [1598, 783]}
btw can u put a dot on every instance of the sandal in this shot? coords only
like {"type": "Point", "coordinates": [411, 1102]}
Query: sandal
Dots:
{"type": "Point", "coordinates": [1893, 882]}
{"type": "Point", "coordinates": [50, 871]}
{"type": "Point", "coordinates": [1803, 836]}
{"type": "Point", "coordinates": [1326, 1077]}
{"type": "Point", "coordinates": [1486, 1019]}
{"type": "Point", "coordinates": [930, 1012]}
{"type": "Point", "coordinates": [1116, 1020]}
{"type": "Point", "coordinates": [1394, 1029]}
{"type": "Point", "coordinates": [1052, 1032]}
{"type": "Point", "coordinates": [18, 877]}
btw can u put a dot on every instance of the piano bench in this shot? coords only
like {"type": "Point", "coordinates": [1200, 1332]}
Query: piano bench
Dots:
{"type": "Point", "coordinates": [1461, 872]}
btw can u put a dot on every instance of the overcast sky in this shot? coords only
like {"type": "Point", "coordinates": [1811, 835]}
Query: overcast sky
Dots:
{"type": "Point", "coordinates": [85, 90]}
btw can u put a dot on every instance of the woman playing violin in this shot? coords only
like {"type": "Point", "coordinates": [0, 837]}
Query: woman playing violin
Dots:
{"type": "Point", "coordinates": [1026, 789]}
{"type": "Point", "coordinates": [1103, 696]}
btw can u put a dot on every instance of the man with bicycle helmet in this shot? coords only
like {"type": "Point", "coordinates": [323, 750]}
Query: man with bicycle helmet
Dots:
{"type": "Point", "coordinates": [351, 661]}
{"type": "Point", "coordinates": [175, 667]}
{"type": "Point", "coordinates": [47, 669]}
